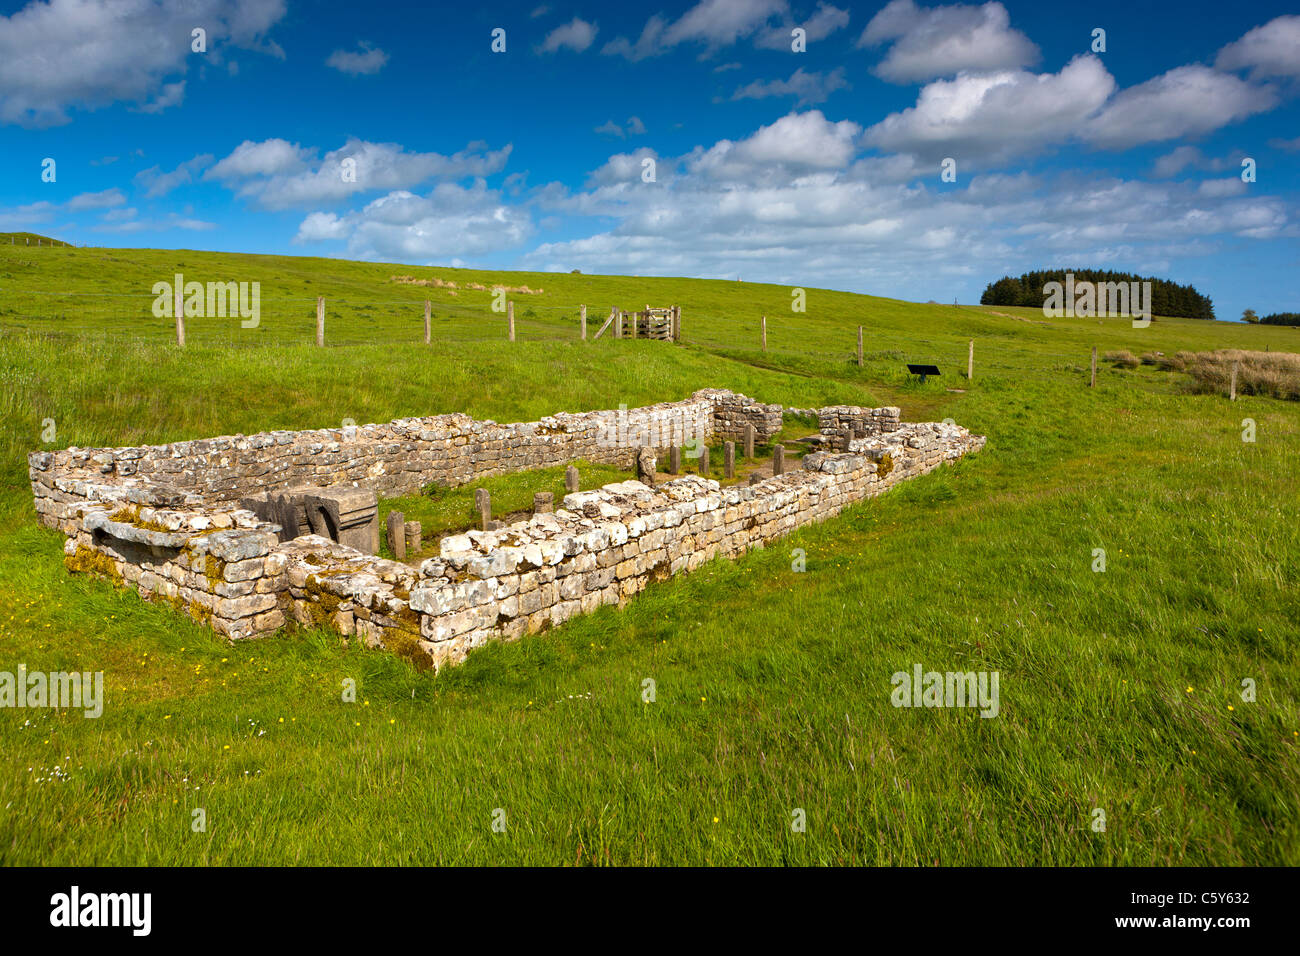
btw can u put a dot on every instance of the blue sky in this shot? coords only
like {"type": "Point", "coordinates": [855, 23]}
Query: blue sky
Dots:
{"type": "Point", "coordinates": [814, 168]}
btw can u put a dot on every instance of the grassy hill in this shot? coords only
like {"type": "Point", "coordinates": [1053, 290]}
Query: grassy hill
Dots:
{"type": "Point", "coordinates": [1120, 691]}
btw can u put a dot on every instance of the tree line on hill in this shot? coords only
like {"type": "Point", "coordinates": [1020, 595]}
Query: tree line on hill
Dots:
{"type": "Point", "coordinates": [1276, 318]}
{"type": "Point", "coordinates": [1167, 297]}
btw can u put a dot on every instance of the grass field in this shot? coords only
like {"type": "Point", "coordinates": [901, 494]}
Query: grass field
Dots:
{"type": "Point", "coordinates": [1120, 691]}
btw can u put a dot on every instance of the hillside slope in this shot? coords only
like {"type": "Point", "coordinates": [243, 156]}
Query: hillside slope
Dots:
{"type": "Point", "coordinates": [1121, 688]}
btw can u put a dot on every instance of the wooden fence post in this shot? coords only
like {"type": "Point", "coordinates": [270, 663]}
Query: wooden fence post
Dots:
{"type": "Point", "coordinates": [859, 346]}
{"type": "Point", "coordinates": [428, 321]}
{"type": "Point", "coordinates": [1093, 382]}
{"type": "Point", "coordinates": [763, 325]}
{"type": "Point", "coordinates": [510, 318]}
{"type": "Point", "coordinates": [618, 325]}
{"type": "Point", "coordinates": [583, 315]}
{"type": "Point", "coordinates": [970, 361]}
{"type": "Point", "coordinates": [1232, 396]}
{"type": "Point", "coordinates": [178, 299]}
{"type": "Point", "coordinates": [320, 320]}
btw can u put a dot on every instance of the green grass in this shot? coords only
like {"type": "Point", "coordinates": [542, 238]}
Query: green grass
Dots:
{"type": "Point", "coordinates": [772, 686]}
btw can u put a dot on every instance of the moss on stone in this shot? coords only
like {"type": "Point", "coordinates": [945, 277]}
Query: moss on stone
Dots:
{"type": "Point", "coordinates": [885, 465]}
{"type": "Point", "coordinates": [88, 561]}
{"type": "Point", "coordinates": [131, 515]}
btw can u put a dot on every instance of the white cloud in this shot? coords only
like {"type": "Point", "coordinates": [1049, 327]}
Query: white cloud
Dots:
{"type": "Point", "coordinates": [980, 117]}
{"type": "Point", "coordinates": [575, 35]}
{"type": "Point", "coordinates": [795, 144]}
{"type": "Point", "coordinates": [62, 54]}
{"type": "Point", "coordinates": [157, 183]}
{"type": "Point", "coordinates": [320, 226]}
{"type": "Point", "coordinates": [1269, 50]}
{"type": "Point", "coordinates": [450, 221]}
{"type": "Point", "coordinates": [1171, 164]}
{"type": "Point", "coordinates": [1189, 157]}
{"type": "Point", "coordinates": [270, 157]}
{"type": "Point", "coordinates": [721, 22]}
{"type": "Point", "coordinates": [634, 127]}
{"type": "Point", "coordinates": [367, 60]}
{"type": "Point", "coordinates": [825, 20]}
{"type": "Point", "coordinates": [1186, 101]}
{"type": "Point", "coordinates": [276, 174]}
{"type": "Point", "coordinates": [761, 208]}
{"type": "Point", "coordinates": [944, 41]}
{"type": "Point", "coordinates": [21, 217]}
{"type": "Point", "coordinates": [1232, 186]}
{"type": "Point", "coordinates": [155, 225]}
{"type": "Point", "coordinates": [997, 115]}
{"type": "Point", "coordinates": [716, 24]}
{"type": "Point", "coordinates": [172, 94]}
{"type": "Point", "coordinates": [100, 200]}
{"type": "Point", "coordinates": [807, 88]}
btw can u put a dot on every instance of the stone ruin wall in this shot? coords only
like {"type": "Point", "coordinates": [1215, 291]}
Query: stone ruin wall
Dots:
{"type": "Point", "coordinates": [228, 569]}
{"type": "Point", "coordinates": [399, 457]}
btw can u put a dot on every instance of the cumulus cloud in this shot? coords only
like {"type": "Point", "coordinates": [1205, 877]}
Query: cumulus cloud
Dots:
{"type": "Point", "coordinates": [807, 88]}
{"type": "Point", "coordinates": [366, 60]}
{"type": "Point", "coordinates": [63, 54]}
{"type": "Point", "coordinates": [575, 35]}
{"type": "Point", "coordinates": [990, 117]}
{"type": "Point", "coordinates": [997, 115]}
{"type": "Point", "coordinates": [277, 174]}
{"type": "Point", "coordinates": [450, 221]}
{"type": "Point", "coordinates": [942, 41]}
{"type": "Point", "coordinates": [796, 202]}
{"type": "Point", "coordinates": [1269, 50]}
{"type": "Point", "coordinates": [270, 157]}
{"type": "Point", "coordinates": [1186, 101]}
{"type": "Point", "coordinates": [794, 144]}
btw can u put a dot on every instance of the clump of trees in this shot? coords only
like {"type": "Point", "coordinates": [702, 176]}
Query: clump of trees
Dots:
{"type": "Point", "coordinates": [1281, 318]}
{"type": "Point", "coordinates": [1167, 297]}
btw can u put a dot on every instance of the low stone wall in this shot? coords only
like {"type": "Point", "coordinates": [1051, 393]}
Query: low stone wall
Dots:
{"type": "Point", "coordinates": [222, 569]}
{"type": "Point", "coordinates": [399, 457]}
{"type": "Point", "coordinates": [605, 546]}
{"type": "Point", "coordinates": [863, 422]}
{"type": "Point", "coordinates": [224, 566]}
{"type": "Point", "coordinates": [732, 413]}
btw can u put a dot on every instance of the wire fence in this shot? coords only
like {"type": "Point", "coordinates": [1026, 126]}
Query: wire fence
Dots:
{"type": "Point", "coordinates": [350, 321]}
